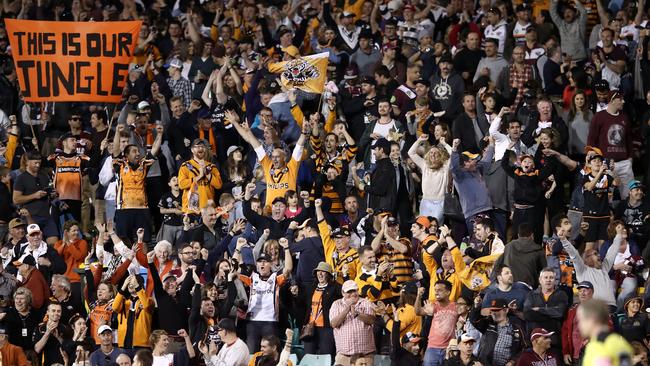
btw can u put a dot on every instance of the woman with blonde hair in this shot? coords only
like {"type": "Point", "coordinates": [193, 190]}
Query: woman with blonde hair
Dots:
{"type": "Point", "coordinates": [159, 341]}
{"type": "Point", "coordinates": [435, 176]}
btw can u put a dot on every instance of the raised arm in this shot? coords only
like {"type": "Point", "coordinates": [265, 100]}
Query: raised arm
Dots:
{"type": "Point", "coordinates": [244, 132]}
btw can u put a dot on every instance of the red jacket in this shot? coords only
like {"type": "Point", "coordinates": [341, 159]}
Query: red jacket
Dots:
{"type": "Point", "coordinates": [36, 283]}
{"type": "Point", "coordinates": [568, 347]}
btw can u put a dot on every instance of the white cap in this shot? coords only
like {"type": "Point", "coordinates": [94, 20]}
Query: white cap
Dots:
{"type": "Point", "coordinates": [104, 328]}
{"type": "Point", "coordinates": [144, 104]}
{"type": "Point", "coordinates": [33, 228]}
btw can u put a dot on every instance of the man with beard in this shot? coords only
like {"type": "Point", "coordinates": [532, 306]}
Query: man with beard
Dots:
{"type": "Point", "coordinates": [348, 31]}
{"type": "Point", "coordinates": [268, 354]}
{"type": "Point", "coordinates": [202, 316]}
{"type": "Point", "coordinates": [634, 213]}
{"type": "Point", "coordinates": [132, 209]}
{"type": "Point", "coordinates": [378, 129]}
{"type": "Point", "coordinates": [492, 64]}
{"type": "Point", "coordinates": [504, 335]}
{"type": "Point", "coordinates": [496, 29]}
{"type": "Point", "coordinates": [448, 88]}
{"type": "Point", "coordinates": [198, 178]}
{"type": "Point", "coordinates": [362, 109]}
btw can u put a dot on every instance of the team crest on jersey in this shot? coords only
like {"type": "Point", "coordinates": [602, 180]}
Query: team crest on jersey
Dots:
{"type": "Point", "coordinates": [299, 71]}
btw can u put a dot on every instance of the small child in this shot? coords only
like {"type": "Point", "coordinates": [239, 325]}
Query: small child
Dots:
{"type": "Point", "coordinates": [226, 211]}
{"type": "Point", "coordinates": [293, 207]}
{"type": "Point", "coordinates": [171, 206]}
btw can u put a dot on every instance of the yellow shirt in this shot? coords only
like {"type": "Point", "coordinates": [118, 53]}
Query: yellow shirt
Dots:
{"type": "Point", "coordinates": [607, 349]}
{"type": "Point", "coordinates": [279, 181]}
{"type": "Point", "coordinates": [205, 188]}
{"type": "Point", "coordinates": [339, 262]}
{"type": "Point", "coordinates": [409, 321]}
{"type": "Point", "coordinates": [438, 273]}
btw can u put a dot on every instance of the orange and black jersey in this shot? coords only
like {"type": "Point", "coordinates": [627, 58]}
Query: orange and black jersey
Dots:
{"type": "Point", "coordinates": [375, 288]}
{"type": "Point", "coordinates": [131, 182]}
{"type": "Point", "coordinates": [402, 263]}
{"type": "Point", "coordinates": [68, 172]}
{"type": "Point", "coordinates": [341, 160]}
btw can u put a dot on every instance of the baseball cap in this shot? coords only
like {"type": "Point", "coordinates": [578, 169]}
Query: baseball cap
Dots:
{"type": "Point", "coordinates": [470, 155]}
{"type": "Point", "coordinates": [615, 94]}
{"type": "Point", "coordinates": [368, 80]}
{"type": "Point", "coordinates": [424, 82]}
{"type": "Point", "coordinates": [143, 104]}
{"type": "Point", "coordinates": [410, 287]}
{"type": "Point", "coordinates": [168, 276]}
{"type": "Point", "coordinates": [291, 51]}
{"type": "Point", "coordinates": [423, 221]}
{"type": "Point", "coordinates": [232, 149]}
{"type": "Point", "coordinates": [263, 257]}
{"type": "Point", "coordinates": [3, 330]}
{"type": "Point", "coordinates": [594, 149]}
{"type": "Point", "coordinates": [33, 228]}
{"type": "Point", "coordinates": [601, 85]}
{"type": "Point", "coordinates": [15, 223]}
{"type": "Point", "coordinates": [390, 45]}
{"type": "Point", "coordinates": [392, 221]}
{"type": "Point", "coordinates": [135, 68]}
{"type": "Point", "coordinates": [203, 142]}
{"type": "Point", "coordinates": [203, 113]}
{"type": "Point", "coordinates": [350, 285]}
{"type": "Point", "coordinates": [348, 14]}
{"type": "Point", "coordinates": [595, 156]}
{"type": "Point", "coordinates": [498, 304]}
{"type": "Point", "coordinates": [366, 33]}
{"type": "Point", "coordinates": [540, 332]}
{"type": "Point", "coordinates": [226, 324]}
{"type": "Point", "coordinates": [175, 63]}
{"type": "Point", "coordinates": [410, 7]}
{"type": "Point", "coordinates": [585, 284]}
{"type": "Point", "coordinates": [466, 337]}
{"type": "Point", "coordinates": [633, 184]}
{"type": "Point", "coordinates": [351, 72]}
{"type": "Point", "coordinates": [523, 7]}
{"type": "Point", "coordinates": [279, 199]}
{"type": "Point", "coordinates": [340, 232]}
{"type": "Point", "coordinates": [411, 337]}
{"type": "Point", "coordinates": [383, 144]}
{"type": "Point", "coordinates": [104, 328]}
{"type": "Point", "coordinates": [445, 58]}
{"type": "Point", "coordinates": [25, 259]}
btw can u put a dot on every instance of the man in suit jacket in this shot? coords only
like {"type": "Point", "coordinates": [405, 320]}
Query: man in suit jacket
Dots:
{"type": "Point", "coordinates": [469, 127]}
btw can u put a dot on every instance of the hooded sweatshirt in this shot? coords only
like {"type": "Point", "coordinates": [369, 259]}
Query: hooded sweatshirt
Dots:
{"type": "Point", "coordinates": [525, 259]}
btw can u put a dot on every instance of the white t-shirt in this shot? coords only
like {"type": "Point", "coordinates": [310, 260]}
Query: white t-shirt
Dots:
{"type": "Point", "coordinates": [382, 130]}
{"type": "Point", "coordinates": [235, 354]}
{"type": "Point", "coordinates": [166, 360]}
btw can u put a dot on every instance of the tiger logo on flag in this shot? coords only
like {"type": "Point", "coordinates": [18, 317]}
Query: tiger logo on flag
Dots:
{"type": "Point", "coordinates": [299, 71]}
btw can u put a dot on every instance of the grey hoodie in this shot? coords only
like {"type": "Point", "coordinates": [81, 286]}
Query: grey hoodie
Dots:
{"type": "Point", "coordinates": [525, 259]}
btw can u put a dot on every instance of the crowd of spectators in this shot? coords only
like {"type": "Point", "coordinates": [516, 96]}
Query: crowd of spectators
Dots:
{"type": "Point", "coordinates": [468, 189]}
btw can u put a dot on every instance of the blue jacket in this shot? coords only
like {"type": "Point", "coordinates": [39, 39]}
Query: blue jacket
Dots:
{"type": "Point", "coordinates": [472, 189]}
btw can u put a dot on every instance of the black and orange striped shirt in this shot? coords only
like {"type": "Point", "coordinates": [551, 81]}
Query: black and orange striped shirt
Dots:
{"type": "Point", "coordinates": [131, 183]}
{"type": "Point", "coordinates": [342, 158]}
{"type": "Point", "coordinates": [403, 264]}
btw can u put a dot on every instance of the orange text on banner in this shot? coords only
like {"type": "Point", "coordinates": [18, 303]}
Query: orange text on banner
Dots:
{"type": "Point", "coordinates": [72, 61]}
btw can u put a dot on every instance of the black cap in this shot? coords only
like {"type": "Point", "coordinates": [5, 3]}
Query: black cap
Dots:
{"type": "Point", "coordinates": [498, 304]}
{"type": "Point", "coordinates": [410, 287]}
{"type": "Point", "coordinates": [382, 211]}
{"type": "Point", "coordinates": [392, 221]}
{"type": "Point", "coordinates": [263, 257]}
{"type": "Point", "coordinates": [368, 80]}
{"type": "Point", "coordinates": [278, 199]}
{"type": "Point", "coordinates": [602, 85]}
{"type": "Point", "coordinates": [365, 33]}
{"type": "Point", "coordinates": [424, 82]}
{"type": "Point", "coordinates": [67, 135]}
{"type": "Point", "coordinates": [383, 144]}
{"type": "Point", "coordinates": [445, 58]}
{"type": "Point", "coordinates": [340, 232]}
{"type": "Point", "coordinates": [203, 142]}
{"type": "Point", "coordinates": [522, 7]}
{"type": "Point", "coordinates": [282, 32]}
{"type": "Point", "coordinates": [26, 259]}
{"type": "Point", "coordinates": [391, 21]}
{"type": "Point", "coordinates": [585, 284]}
{"type": "Point", "coordinates": [227, 324]}
{"type": "Point", "coordinates": [203, 113]}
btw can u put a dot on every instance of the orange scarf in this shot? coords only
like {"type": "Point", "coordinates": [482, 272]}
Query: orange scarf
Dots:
{"type": "Point", "coordinates": [213, 144]}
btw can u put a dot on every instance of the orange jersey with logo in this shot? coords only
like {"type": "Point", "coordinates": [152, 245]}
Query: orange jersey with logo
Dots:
{"type": "Point", "coordinates": [279, 181]}
{"type": "Point", "coordinates": [67, 175]}
{"type": "Point", "coordinates": [131, 184]}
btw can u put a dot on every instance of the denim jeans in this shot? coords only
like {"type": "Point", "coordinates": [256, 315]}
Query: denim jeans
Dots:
{"type": "Point", "coordinates": [434, 356]}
